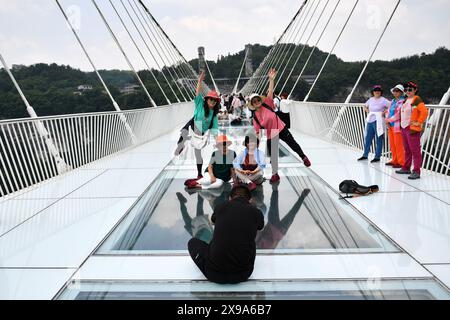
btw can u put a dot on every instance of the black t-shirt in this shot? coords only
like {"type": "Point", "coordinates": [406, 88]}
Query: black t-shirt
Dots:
{"type": "Point", "coordinates": [233, 248]}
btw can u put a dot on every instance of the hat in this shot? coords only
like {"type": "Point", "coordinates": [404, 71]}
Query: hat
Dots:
{"type": "Point", "coordinates": [223, 139]}
{"type": "Point", "coordinates": [398, 87]}
{"type": "Point", "coordinates": [213, 95]}
{"type": "Point", "coordinates": [377, 88]}
{"type": "Point", "coordinates": [253, 96]}
{"type": "Point", "coordinates": [411, 85]}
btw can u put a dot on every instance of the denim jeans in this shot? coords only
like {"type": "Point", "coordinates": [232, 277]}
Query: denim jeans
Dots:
{"type": "Point", "coordinates": [370, 135]}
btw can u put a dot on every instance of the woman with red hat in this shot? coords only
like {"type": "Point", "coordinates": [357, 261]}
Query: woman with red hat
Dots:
{"type": "Point", "coordinates": [205, 120]}
{"type": "Point", "coordinates": [265, 117]}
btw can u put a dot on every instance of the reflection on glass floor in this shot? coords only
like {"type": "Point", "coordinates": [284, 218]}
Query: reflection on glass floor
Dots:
{"type": "Point", "coordinates": [256, 290]}
{"type": "Point", "coordinates": [167, 216]}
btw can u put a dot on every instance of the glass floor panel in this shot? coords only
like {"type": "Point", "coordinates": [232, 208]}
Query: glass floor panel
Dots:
{"type": "Point", "coordinates": [166, 217]}
{"type": "Point", "coordinates": [259, 290]}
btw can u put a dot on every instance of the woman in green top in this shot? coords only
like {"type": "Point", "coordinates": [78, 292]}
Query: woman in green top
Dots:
{"type": "Point", "coordinates": [205, 119]}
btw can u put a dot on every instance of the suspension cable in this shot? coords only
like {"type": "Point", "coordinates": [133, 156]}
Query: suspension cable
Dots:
{"type": "Point", "coordinates": [306, 42]}
{"type": "Point", "coordinates": [372, 54]}
{"type": "Point", "coordinates": [297, 43]}
{"type": "Point", "coordinates": [331, 51]}
{"type": "Point", "coordinates": [279, 64]}
{"type": "Point", "coordinates": [315, 47]}
{"type": "Point", "coordinates": [240, 72]}
{"type": "Point", "coordinates": [115, 104]}
{"type": "Point", "coordinates": [264, 84]}
{"type": "Point", "coordinates": [272, 50]}
{"type": "Point", "coordinates": [139, 10]}
{"type": "Point", "coordinates": [124, 54]}
{"type": "Point", "coordinates": [140, 52]}
{"type": "Point", "coordinates": [61, 165]}
{"type": "Point", "coordinates": [108, 92]}
{"type": "Point", "coordinates": [187, 65]}
{"type": "Point", "coordinates": [344, 108]}
{"type": "Point", "coordinates": [212, 77]}
{"type": "Point", "coordinates": [143, 39]}
{"type": "Point", "coordinates": [279, 49]}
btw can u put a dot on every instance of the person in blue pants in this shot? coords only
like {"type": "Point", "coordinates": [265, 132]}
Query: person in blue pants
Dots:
{"type": "Point", "coordinates": [375, 107]}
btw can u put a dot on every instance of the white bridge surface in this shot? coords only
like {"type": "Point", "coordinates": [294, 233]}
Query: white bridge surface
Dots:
{"type": "Point", "coordinates": [49, 233]}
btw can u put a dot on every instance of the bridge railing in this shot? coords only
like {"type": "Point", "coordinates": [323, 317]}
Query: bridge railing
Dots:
{"type": "Point", "coordinates": [345, 124]}
{"type": "Point", "coordinates": [35, 150]}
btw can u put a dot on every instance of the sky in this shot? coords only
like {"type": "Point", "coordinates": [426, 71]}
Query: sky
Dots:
{"type": "Point", "coordinates": [33, 31]}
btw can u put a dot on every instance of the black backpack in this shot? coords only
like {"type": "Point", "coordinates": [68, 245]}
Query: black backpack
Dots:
{"type": "Point", "coordinates": [351, 186]}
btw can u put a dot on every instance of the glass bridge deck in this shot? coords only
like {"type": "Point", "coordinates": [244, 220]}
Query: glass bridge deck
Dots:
{"type": "Point", "coordinates": [260, 290]}
{"type": "Point", "coordinates": [167, 215]}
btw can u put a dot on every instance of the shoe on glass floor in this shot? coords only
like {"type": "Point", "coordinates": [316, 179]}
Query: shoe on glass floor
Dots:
{"type": "Point", "coordinates": [375, 160]}
{"type": "Point", "coordinates": [403, 171]}
{"type": "Point", "coordinates": [362, 158]}
{"type": "Point", "coordinates": [200, 177]}
{"type": "Point", "coordinates": [189, 181]}
{"type": "Point", "coordinates": [397, 166]}
{"type": "Point", "coordinates": [252, 186]}
{"type": "Point", "coordinates": [306, 162]}
{"type": "Point", "coordinates": [391, 164]}
{"type": "Point", "coordinates": [275, 178]}
{"type": "Point", "coordinates": [181, 198]}
{"type": "Point", "coordinates": [193, 185]}
{"type": "Point", "coordinates": [414, 176]}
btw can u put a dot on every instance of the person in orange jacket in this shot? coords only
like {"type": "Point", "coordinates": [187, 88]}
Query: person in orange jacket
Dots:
{"type": "Point", "coordinates": [413, 115]}
{"type": "Point", "coordinates": [394, 128]}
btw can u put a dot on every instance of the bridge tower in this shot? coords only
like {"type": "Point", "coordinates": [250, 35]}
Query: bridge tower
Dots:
{"type": "Point", "coordinates": [201, 59]}
{"type": "Point", "coordinates": [248, 62]}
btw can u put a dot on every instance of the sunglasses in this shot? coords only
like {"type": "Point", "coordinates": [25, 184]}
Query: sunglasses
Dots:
{"type": "Point", "coordinates": [256, 100]}
{"type": "Point", "coordinates": [212, 100]}
{"type": "Point", "coordinates": [410, 89]}
{"type": "Point", "coordinates": [396, 90]}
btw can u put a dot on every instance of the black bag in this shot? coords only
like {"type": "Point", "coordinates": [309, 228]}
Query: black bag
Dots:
{"type": "Point", "coordinates": [285, 117]}
{"type": "Point", "coordinates": [351, 186]}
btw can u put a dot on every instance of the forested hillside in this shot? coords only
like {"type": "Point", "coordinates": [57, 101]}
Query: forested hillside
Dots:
{"type": "Point", "coordinates": [50, 88]}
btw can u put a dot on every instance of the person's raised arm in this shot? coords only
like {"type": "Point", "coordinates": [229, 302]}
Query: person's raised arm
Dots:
{"type": "Point", "coordinates": [272, 76]}
{"type": "Point", "coordinates": [201, 78]}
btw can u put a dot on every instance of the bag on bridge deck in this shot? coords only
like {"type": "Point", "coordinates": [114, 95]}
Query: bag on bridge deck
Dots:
{"type": "Point", "coordinates": [351, 186]}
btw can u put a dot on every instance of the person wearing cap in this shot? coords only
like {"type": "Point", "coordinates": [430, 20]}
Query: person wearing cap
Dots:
{"type": "Point", "coordinates": [205, 119]}
{"type": "Point", "coordinates": [413, 115]}
{"type": "Point", "coordinates": [375, 107]}
{"type": "Point", "coordinates": [394, 129]}
{"type": "Point", "coordinates": [230, 256]}
{"type": "Point", "coordinates": [264, 117]}
{"type": "Point", "coordinates": [250, 164]}
{"type": "Point", "coordinates": [220, 169]}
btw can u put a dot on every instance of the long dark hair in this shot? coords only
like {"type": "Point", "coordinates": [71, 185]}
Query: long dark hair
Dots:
{"type": "Point", "coordinates": [247, 141]}
{"type": "Point", "coordinates": [207, 109]}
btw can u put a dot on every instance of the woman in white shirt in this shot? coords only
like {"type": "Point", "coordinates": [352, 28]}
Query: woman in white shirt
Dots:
{"type": "Point", "coordinates": [375, 107]}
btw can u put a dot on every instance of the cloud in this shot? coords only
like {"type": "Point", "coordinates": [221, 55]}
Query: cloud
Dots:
{"type": "Point", "coordinates": [34, 29]}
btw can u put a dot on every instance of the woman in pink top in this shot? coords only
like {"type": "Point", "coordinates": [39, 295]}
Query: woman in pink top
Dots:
{"type": "Point", "coordinates": [264, 117]}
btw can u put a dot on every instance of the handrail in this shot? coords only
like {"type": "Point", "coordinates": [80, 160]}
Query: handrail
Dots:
{"type": "Point", "coordinates": [75, 115]}
{"type": "Point", "coordinates": [345, 124]}
{"type": "Point", "coordinates": [25, 157]}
